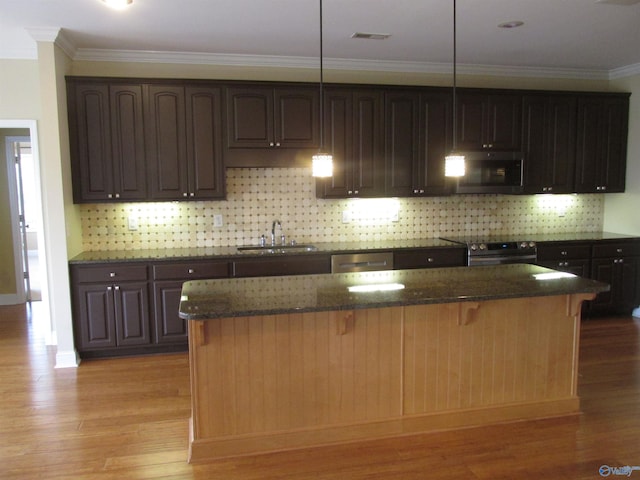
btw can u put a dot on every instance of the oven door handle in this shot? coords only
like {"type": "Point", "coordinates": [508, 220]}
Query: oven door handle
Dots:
{"type": "Point", "coordinates": [500, 259]}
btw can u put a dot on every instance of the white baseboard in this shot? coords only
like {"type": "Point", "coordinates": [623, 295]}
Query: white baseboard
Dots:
{"type": "Point", "coordinates": [68, 359]}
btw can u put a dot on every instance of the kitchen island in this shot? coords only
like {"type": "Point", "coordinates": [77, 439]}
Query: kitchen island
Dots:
{"type": "Point", "coordinates": [293, 362]}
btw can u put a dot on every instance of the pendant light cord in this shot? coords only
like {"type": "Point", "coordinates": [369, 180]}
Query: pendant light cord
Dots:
{"type": "Point", "coordinates": [455, 108]}
{"type": "Point", "coordinates": [321, 85]}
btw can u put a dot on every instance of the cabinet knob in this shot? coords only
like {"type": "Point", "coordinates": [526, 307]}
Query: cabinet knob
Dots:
{"type": "Point", "coordinates": [191, 270]}
{"type": "Point", "coordinates": [619, 250]}
{"type": "Point", "coordinates": [112, 274]}
{"type": "Point", "coordinates": [563, 253]}
{"type": "Point", "coordinates": [185, 194]}
{"type": "Point", "coordinates": [356, 192]}
{"type": "Point", "coordinates": [277, 144]}
{"type": "Point", "coordinates": [192, 194]}
{"type": "Point", "coordinates": [109, 196]}
{"type": "Point", "coordinates": [430, 260]}
{"type": "Point", "coordinates": [271, 144]}
{"type": "Point", "coordinates": [116, 288]}
{"type": "Point", "coordinates": [109, 289]}
{"type": "Point", "coordinates": [117, 195]}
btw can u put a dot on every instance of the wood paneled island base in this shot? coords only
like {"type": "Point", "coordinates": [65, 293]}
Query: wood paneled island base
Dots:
{"type": "Point", "coordinates": [263, 383]}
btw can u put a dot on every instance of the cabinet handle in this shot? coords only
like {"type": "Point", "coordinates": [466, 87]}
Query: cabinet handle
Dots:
{"type": "Point", "coordinates": [116, 288]}
{"type": "Point", "coordinates": [277, 144]}
{"type": "Point", "coordinates": [191, 270]}
{"type": "Point", "coordinates": [184, 194]}
{"type": "Point", "coordinates": [563, 253]}
{"type": "Point", "coordinates": [430, 260]}
{"type": "Point", "coordinates": [356, 192]}
{"type": "Point", "coordinates": [619, 250]}
{"type": "Point", "coordinates": [109, 196]}
{"type": "Point", "coordinates": [192, 194]}
{"type": "Point", "coordinates": [271, 144]}
{"type": "Point", "coordinates": [117, 195]}
{"type": "Point", "coordinates": [109, 289]}
{"type": "Point", "coordinates": [112, 274]}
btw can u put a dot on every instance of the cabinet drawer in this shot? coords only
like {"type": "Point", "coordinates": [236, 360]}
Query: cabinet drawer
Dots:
{"type": "Point", "coordinates": [282, 265]}
{"type": "Point", "coordinates": [562, 251]}
{"type": "Point", "coordinates": [430, 258]}
{"type": "Point", "coordinates": [621, 249]}
{"type": "Point", "coordinates": [190, 270]}
{"type": "Point", "coordinates": [109, 273]}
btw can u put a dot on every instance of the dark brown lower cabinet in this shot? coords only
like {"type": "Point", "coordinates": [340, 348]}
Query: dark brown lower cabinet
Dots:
{"type": "Point", "coordinates": [617, 264]}
{"type": "Point", "coordinates": [169, 327]}
{"type": "Point", "coordinates": [112, 315]}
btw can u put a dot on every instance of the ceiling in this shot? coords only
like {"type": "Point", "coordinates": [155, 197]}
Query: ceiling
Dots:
{"type": "Point", "coordinates": [568, 37]}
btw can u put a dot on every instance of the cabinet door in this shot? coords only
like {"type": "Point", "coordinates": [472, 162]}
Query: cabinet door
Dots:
{"type": "Point", "coordinates": [297, 117]}
{"type": "Point", "coordinates": [89, 131]}
{"type": "Point", "coordinates": [250, 117]}
{"type": "Point", "coordinates": [503, 125]}
{"type": "Point", "coordinates": [549, 143]}
{"type": "Point", "coordinates": [204, 142]}
{"type": "Point", "coordinates": [401, 120]}
{"type": "Point", "coordinates": [471, 119]}
{"type": "Point", "coordinates": [367, 153]}
{"type": "Point", "coordinates": [131, 303]}
{"type": "Point", "coordinates": [169, 327]}
{"type": "Point", "coordinates": [602, 144]}
{"type": "Point", "coordinates": [166, 142]}
{"type": "Point", "coordinates": [94, 316]}
{"type": "Point", "coordinates": [127, 140]}
{"type": "Point", "coordinates": [338, 123]}
{"type": "Point", "coordinates": [435, 143]}
{"type": "Point", "coordinates": [489, 122]}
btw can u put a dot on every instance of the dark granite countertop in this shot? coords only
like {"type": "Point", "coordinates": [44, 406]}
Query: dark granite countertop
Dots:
{"type": "Point", "coordinates": [210, 299]}
{"type": "Point", "coordinates": [195, 253]}
{"type": "Point", "coordinates": [169, 254]}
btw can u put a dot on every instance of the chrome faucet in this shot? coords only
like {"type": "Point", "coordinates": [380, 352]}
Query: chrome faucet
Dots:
{"type": "Point", "coordinates": [273, 233]}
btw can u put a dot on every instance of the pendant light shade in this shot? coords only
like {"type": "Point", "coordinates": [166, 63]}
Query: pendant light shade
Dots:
{"type": "Point", "coordinates": [454, 163]}
{"type": "Point", "coordinates": [322, 162]}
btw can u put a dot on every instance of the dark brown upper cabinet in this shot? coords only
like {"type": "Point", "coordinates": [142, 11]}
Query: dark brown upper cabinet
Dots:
{"type": "Point", "coordinates": [488, 121]}
{"type": "Point", "coordinates": [417, 139]}
{"type": "Point", "coordinates": [548, 142]}
{"type": "Point", "coordinates": [106, 130]}
{"type": "Point", "coordinates": [184, 142]}
{"type": "Point", "coordinates": [271, 125]}
{"type": "Point", "coordinates": [601, 151]}
{"type": "Point", "coordinates": [354, 132]}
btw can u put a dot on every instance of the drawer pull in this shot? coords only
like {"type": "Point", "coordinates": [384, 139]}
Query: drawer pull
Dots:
{"type": "Point", "coordinates": [112, 274]}
{"type": "Point", "coordinates": [430, 260]}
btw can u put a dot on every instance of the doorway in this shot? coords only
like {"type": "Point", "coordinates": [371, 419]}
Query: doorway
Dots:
{"type": "Point", "coordinates": [25, 222]}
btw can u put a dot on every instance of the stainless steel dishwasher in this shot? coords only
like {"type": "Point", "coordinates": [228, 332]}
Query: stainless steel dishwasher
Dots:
{"type": "Point", "coordinates": [361, 262]}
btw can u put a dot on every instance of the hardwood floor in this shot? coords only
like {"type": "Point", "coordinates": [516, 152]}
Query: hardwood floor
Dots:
{"type": "Point", "coordinates": [127, 418]}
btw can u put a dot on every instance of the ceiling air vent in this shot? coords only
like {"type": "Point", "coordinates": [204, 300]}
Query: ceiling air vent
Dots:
{"type": "Point", "coordinates": [371, 36]}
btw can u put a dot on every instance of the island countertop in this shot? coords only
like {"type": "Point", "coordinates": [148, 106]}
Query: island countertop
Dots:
{"type": "Point", "coordinates": [224, 298]}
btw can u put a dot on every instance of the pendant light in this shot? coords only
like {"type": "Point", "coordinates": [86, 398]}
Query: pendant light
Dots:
{"type": "Point", "coordinates": [322, 162]}
{"type": "Point", "coordinates": [454, 165]}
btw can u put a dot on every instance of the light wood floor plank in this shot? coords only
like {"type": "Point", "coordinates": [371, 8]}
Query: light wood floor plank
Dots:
{"type": "Point", "coordinates": [128, 418]}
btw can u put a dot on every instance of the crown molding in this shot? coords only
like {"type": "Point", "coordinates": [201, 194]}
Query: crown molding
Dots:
{"type": "Point", "coordinates": [623, 72]}
{"type": "Point", "coordinates": [141, 56]}
{"type": "Point", "coordinates": [54, 35]}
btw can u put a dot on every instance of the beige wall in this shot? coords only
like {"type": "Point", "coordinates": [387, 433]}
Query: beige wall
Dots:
{"type": "Point", "coordinates": [621, 210]}
{"type": "Point", "coordinates": [19, 99]}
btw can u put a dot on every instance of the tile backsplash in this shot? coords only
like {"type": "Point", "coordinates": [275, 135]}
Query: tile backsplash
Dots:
{"type": "Point", "coordinates": [257, 196]}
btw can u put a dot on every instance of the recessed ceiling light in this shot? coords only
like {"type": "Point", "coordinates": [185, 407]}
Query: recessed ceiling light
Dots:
{"type": "Point", "coordinates": [513, 24]}
{"type": "Point", "coordinates": [371, 36]}
{"type": "Point", "coordinates": [118, 4]}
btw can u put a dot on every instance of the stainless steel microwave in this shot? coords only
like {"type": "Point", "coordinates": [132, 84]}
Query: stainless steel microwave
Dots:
{"type": "Point", "coordinates": [492, 172]}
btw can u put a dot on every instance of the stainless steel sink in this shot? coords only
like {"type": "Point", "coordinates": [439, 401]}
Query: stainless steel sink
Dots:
{"type": "Point", "coordinates": [274, 249]}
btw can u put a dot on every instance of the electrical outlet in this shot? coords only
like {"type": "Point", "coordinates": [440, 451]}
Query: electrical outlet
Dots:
{"type": "Point", "coordinates": [217, 220]}
{"type": "Point", "coordinates": [133, 222]}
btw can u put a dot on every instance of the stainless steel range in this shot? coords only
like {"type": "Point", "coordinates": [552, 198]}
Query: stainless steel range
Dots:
{"type": "Point", "coordinates": [497, 250]}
